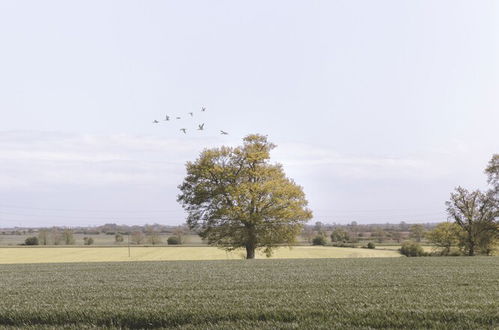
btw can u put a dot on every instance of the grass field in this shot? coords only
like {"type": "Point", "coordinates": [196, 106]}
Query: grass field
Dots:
{"type": "Point", "coordinates": [99, 254]}
{"type": "Point", "coordinates": [411, 293]}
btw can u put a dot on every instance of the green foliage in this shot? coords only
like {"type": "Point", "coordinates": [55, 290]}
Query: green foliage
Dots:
{"type": "Point", "coordinates": [380, 235]}
{"type": "Point", "coordinates": [118, 238]}
{"type": "Point", "coordinates": [173, 240]}
{"type": "Point", "coordinates": [236, 198]}
{"type": "Point", "coordinates": [477, 214]}
{"type": "Point", "coordinates": [395, 293]}
{"type": "Point", "coordinates": [412, 249]}
{"type": "Point", "coordinates": [319, 240]}
{"type": "Point", "coordinates": [67, 236]}
{"type": "Point", "coordinates": [371, 245]}
{"type": "Point", "coordinates": [88, 241]}
{"type": "Point", "coordinates": [43, 236]}
{"type": "Point", "coordinates": [445, 235]}
{"type": "Point", "coordinates": [340, 235]}
{"type": "Point", "coordinates": [417, 232]}
{"type": "Point", "coordinates": [345, 245]}
{"type": "Point", "coordinates": [31, 241]}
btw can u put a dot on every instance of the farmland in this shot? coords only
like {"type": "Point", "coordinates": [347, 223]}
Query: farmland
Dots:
{"type": "Point", "coordinates": [451, 293]}
{"type": "Point", "coordinates": [100, 254]}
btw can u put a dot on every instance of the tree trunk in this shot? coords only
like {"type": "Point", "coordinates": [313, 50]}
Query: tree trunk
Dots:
{"type": "Point", "coordinates": [250, 251]}
{"type": "Point", "coordinates": [251, 241]}
{"type": "Point", "coordinates": [471, 252]}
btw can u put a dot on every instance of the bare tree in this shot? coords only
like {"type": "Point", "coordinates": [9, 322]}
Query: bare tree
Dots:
{"type": "Point", "coordinates": [138, 237]}
{"type": "Point", "coordinates": [43, 236]}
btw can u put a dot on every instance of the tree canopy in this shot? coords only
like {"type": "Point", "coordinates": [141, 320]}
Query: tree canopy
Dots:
{"type": "Point", "coordinates": [236, 198]}
{"type": "Point", "coordinates": [492, 172]}
{"type": "Point", "coordinates": [476, 213]}
{"type": "Point", "coordinates": [445, 235]}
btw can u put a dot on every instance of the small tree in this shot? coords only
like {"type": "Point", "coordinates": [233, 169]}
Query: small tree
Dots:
{"type": "Point", "coordinates": [43, 236]}
{"type": "Point", "coordinates": [138, 237]}
{"type": "Point", "coordinates": [476, 213]}
{"type": "Point", "coordinates": [31, 241]}
{"type": "Point", "coordinates": [118, 238]}
{"type": "Point", "coordinates": [67, 236]}
{"type": "Point", "coordinates": [153, 236]}
{"type": "Point", "coordinates": [340, 235]}
{"type": "Point", "coordinates": [396, 236]}
{"type": "Point", "coordinates": [445, 235]}
{"type": "Point", "coordinates": [179, 232]}
{"type": "Point", "coordinates": [56, 236]}
{"type": "Point", "coordinates": [380, 235]}
{"type": "Point", "coordinates": [417, 232]}
{"type": "Point", "coordinates": [88, 240]}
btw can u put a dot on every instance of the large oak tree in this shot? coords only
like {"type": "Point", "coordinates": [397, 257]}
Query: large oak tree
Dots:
{"type": "Point", "coordinates": [477, 214]}
{"type": "Point", "coordinates": [236, 198]}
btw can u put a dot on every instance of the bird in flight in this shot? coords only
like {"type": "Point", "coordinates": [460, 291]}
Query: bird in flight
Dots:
{"type": "Point", "coordinates": [192, 114]}
{"type": "Point", "coordinates": [201, 127]}
{"type": "Point", "coordinates": [155, 121]}
{"type": "Point", "coordinates": [203, 109]}
{"type": "Point", "coordinates": [177, 117]}
{"type": "Point", "coordinates": [184, 130]}
{"type": "Point", "coordinates": [167, 118]}
{"type": "Point", "coordinates": [223, 132]}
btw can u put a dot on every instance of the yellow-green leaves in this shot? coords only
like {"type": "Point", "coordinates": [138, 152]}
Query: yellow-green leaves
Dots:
{"type": "Point", "coordinates": [236, 198]}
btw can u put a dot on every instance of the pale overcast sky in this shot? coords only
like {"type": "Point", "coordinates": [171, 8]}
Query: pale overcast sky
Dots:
{"type": "Point", "coordinates": [379, 108]}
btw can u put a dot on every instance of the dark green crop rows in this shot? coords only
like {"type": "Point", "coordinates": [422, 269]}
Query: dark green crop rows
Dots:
{"type": "Point", "coordinates": [452, 293]}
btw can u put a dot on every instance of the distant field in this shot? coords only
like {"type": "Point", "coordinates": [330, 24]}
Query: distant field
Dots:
{"type": "Point", "coordinates": [101, 254]}
{"type": "Point", "coordinates": [409, 293]}
{"type": "Point", "coordinates": [99, 239]}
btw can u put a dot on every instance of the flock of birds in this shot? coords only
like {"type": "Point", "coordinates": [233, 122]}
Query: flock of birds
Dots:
{"type": "Point", "coordinates": [184, 130]}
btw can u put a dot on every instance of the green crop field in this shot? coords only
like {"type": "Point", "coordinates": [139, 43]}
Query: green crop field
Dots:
{"type": "Point", "coordinates": [139, 253]}
{"type": "Point", "coordinates": [411, 293]}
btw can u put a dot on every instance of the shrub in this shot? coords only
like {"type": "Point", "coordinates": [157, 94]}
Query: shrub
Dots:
{"type": "Point", "coordinates": [345, 245]}
{"type": "Point", "coordinates": [412, 249]}
{"type": "Point", "coordinates": [118, 238]}
{"type": "Point", "coordinates": [173, 240]}
{"type": "Point", "coordinates": [371, 245]}
{"type": "Point", "coordinates": [319, 240]}
{"type": "Point", "coordinates": [31, 241]}
{"type": "Point", "coordinates": [88, 240]}
{"type": "Point", "coordinates": [340, 235]}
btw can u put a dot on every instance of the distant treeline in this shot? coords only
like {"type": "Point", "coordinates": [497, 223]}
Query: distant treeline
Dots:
{"type": "Point", "coordinates": [355, 232]}
{"type": "Point", "coordinates": [147, 234]}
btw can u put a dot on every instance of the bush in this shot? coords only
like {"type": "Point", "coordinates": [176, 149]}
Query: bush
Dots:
{"type": "Point", "coordinates": [118, 238]}
{"type": "Point", "coordinates": [173, 240]}
{"type": "Point", "coordinates": [412, 249]}
{"type": "Point", "coordinates": [319, 240]}
{"type": "Point", "coordinates": [88, 240]}
{"type": "Point", "coordinates": [344, 245]}
{"type": "Point", "coordinates": [371, 245]}
{"type": "Point", "coordinates": [31, 241]}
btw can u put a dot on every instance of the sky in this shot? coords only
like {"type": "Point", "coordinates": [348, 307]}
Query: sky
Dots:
{"type": "Point", "coordinates": [378, 108]}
